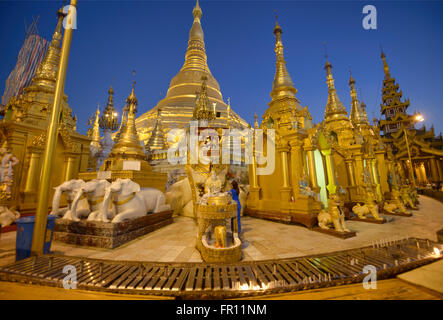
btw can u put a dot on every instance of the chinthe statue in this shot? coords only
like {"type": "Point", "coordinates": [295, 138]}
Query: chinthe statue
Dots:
{"type": "Point", "coordinates": [407, 198]}
{"type": "Point", "coordinates": [334, 216]}
{"type": "Point", "coordinates": [395, 204]}
{"type": "Point", "coordinates": [370, 207]}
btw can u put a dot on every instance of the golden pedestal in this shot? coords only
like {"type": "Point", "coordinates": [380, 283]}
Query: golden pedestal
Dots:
{"type": "Point", "coordinates": [210, 216]}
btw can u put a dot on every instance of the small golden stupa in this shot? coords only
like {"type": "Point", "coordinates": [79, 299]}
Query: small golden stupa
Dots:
{"type": "Point", "coordinates": [127, 159]}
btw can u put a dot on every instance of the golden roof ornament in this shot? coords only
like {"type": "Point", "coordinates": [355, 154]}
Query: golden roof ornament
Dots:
{"type": "Point", "coordinates": [385, 65]}
{"type": "Point", "coordinates": [357, 116]}
{"type": "Point", "coordinates": [282, 84]}
{"type": "Point", "coordinates": [109, 119]}
{"type": "Point", "coordinates": [255, 120]}
{"type": "Point", "coordinates": [201, 110]}
{"type": "Point", "coordinates": [94, 122]}
{"type": "Point", "coordinates": [334, 107]}
{"type": "Point", "coordinates": [127, 144]}
{"type": "Point", "coordinates": [157, 140]}
{"type": "Point", "coordinates": [46, 73]}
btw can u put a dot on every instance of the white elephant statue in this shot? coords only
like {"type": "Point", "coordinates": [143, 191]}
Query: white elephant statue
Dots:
{"type": "Point", "coordinates": [95, 193]}
{"type": "Point", "coordinates": [70, 189]}
{"type": "Point", "coordinates": [179, 197]}
{"type": "Point", "coordinates": [131, 201]}
{"type": "Point", "coordinates": [8, 216]}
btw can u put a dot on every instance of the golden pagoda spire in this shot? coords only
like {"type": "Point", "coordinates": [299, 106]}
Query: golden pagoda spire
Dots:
{"type": "Point", "coordinates": [109, 118]}
{"type": "Point", "coordinates": [46, 73]}
{"type": "Point", "coordinates": [282, 85]}
{"type": "Point", "coordinates": [334, 107]}
{"type": "Point", "coordinates": [95, 136]}
{"type": "Point", "coordinates": [127, 145]}
{"type": "Point", "coordinates": [255, 120]}
{"type": "Point", "coordinates": [357, 116]}
{"type": "Point", "coordinates": [157, 140]}
{"type": "Point", "coordinates": [195, 58]}
{"type": "Point", "coordinates": [385, 65]}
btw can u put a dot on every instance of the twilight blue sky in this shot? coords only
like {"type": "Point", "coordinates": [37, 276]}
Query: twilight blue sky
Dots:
{"type": "Point", "coordinates": [115, 37]}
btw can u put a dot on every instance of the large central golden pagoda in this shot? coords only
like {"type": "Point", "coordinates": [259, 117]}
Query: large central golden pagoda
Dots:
{"type": "Point", "coordinates": [176, 109]}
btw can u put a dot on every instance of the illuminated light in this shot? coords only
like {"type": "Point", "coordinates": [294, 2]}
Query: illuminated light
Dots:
{"type": "Point", "coordinates": [115, 114]}
{"type": "Point", "coordinates": [244, 287]}
{"type": "Point", "coordinates": [419, 118]}
{"type": "Point", "coordinates": [436, 252]}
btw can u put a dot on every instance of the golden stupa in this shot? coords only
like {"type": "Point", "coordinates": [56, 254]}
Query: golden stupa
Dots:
{"type": "Point", "coordinates": [176, 109]}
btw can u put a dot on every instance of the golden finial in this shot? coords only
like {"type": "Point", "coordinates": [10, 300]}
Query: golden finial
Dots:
{"type": "Point", "coordinates": [255, 120]}
{"type": "Point", "coordinates": [351, 79]}
{"type": "Point", "coordinates": [197, 12]}
{"type": "Point", "coordinates": [385, 64]}
{"type": "Point", "coordinates": [277, 28]}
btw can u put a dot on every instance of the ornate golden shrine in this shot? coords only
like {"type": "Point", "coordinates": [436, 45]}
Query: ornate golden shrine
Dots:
{"type": "Point", "coordinates": [356, 145]}
{"type": "Point", "coordinates": [409, 144]}
{"type": "Point", "coordinates": [24, 128]}
{"type": "Point", "coordinates": [279, 195]}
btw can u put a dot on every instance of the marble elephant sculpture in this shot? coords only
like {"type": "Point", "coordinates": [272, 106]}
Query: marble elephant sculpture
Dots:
{"type": "Point", "coordinates": [70, 189]}
{"type": "Point", "coordinates": [95, 191]}
{"type": "Point", "coordinates": [220, 236]}
{"type": "Point", "coordinates": [334, 216]}
{"type": "Point", "coordinates": [8, 216]}
{"type": "Point", "coordinates": [131, 201]}
{"type": "Point", "coordinates": [179, 197]}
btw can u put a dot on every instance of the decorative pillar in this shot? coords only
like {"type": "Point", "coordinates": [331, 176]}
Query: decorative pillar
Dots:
{"type": "Point", "coordinates": [439, 170]}
{"type": "Point", "coordinates": [376, 178]}
{"type": "Point", "coordinates": [254, 191]}
{"type": "Point", "coordinates": [285, 188]}
{"type": "Point", "coordinates": [434, 170]}
{"type": "Point", "coordinates": [351, 172]}
{"type": "Point", "coordinates": [32, 176]}
{"type": "Point", "coordinates": [70, 166]}
{"type": "Point", "coordinates": [312, 171]}
{"type": "Point", "coordinates": [330, 171]}
{"type": "Point", "coordinates": [296, 164]}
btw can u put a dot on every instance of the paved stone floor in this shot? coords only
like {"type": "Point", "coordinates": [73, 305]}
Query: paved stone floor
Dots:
{"type": "Point", "coordinates": [262, 239]}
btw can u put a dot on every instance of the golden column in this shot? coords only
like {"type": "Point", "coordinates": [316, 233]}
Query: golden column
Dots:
{"type": "Point", "coordinates": [312, 170]}
{"type": "Point", "coordinates": [434, 170]}
{"type": "Point", "coordinates": [330, 171]}
{"type": "Point", "coordinates": [351, 172]}
{"type": "Point", "coordinates": [32, 175]}
{"type": "Point", "coordinates": [285, 188]}
{"type": "Point", "coordinates": [70, 166]}
{"type": "Point", "coordinates": [296, 163]}
{"type": "Point", "coordinates": [376, 178]}
{"type": "Point", "coordinates": [41, 216]}
{"type": "Point", "coordinates": [439, 170]}
{"type": "Point", "coordinates": [411, 169]}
